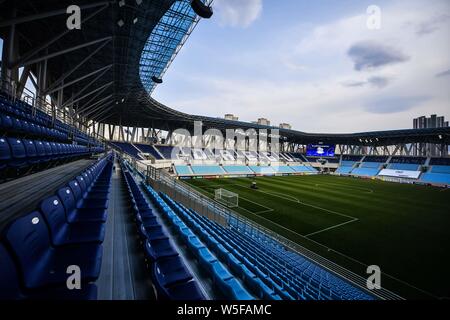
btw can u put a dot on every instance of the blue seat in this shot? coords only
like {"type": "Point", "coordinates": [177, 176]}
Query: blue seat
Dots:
{"type": "Point", "coordinates": [6, 122]}
{"type": "Point", "coordinates": [152, 233]}
{"type": "Point", "coordinates": [11, 278]}
{"type": "Point", "coordinates": [18, 154]}
{"type": "Point", "coordinates": [170, 271]}
{"type": "Point", "coordinates": [158, 249]}
{"type": "Point", "coordinates": [184, 291]}
{"type": "Point", "coordinates": [74, 214]}
{"type": "Point", "coordinates": [41, 264]}
{"type": "Point", "coordinates": [31, 152]}
{"type": "Point", "coordinates": [5, 153]}
{"type": "Point", "coordinates": [63, 233]}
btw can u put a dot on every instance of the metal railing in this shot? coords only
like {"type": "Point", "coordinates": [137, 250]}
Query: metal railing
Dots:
{"type": "Point", "coordinates": [162, 181]}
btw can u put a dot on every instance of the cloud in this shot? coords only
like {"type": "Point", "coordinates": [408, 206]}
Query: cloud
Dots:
{"type": "Point", "coordinates": [369, 55]}
{"type": "Point", "coordinates": [395, 104]}
{"type": "Point", "coordinates": [375, 81]}
{"type": "Point", "coordinates": [445, 73]}
{"type": "Point", "coordinates": [431, 25]}
{"type": "Point", "coordinates": [379, 82]}
{"type": "Point", "coordinates": [238, 13]}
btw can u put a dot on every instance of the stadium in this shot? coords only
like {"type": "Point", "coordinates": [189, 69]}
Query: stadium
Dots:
{"type": "Point", "coordinates": [108, 194]}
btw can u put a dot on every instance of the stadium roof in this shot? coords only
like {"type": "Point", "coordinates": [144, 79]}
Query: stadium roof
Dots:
{"type": "Point", "coordinates": [111, 66]}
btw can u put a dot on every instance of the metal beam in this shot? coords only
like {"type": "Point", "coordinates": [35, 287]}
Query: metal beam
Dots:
{"type": "Point", "coordinates": [79, 79]}
{"type": "Point", "coordinates": [32, 52]}
{"type": "Point", "coordinates": [68, 73]}
{"type": "Point", "coordinates": [91, 112]}
{"type": "Point", "coordinates": [86, 107]}
{"type": "Point", "coordinates": [89, 93]}
{"type": "Point", "coordinates": [86, 86]}
{"type": "Point", "coordinates": [47, 14]}
{"type": "Point", "coordinates": [58, 53]}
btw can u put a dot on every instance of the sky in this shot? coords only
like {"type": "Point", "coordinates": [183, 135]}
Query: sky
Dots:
{"type": "Point", "coordinates": [316, 64]}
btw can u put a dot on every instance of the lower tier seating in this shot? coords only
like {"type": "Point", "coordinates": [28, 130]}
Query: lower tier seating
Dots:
{"type": "Point", "coordinates": [169, 275]}
{"type": "Point", "coordinates": [39, 250]}
{"type": "Point", "coordinates": [264, 272]}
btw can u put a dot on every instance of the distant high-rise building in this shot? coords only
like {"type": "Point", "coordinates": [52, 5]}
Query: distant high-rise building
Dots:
{"type": "Point", "coordinates": [425, 123]}
{"type": "Point", "coordinates": [263, 122]}
{"type": "Point", "coordinates": [285, 126]}
{"type": "Point", "coordinates": [230, 116]}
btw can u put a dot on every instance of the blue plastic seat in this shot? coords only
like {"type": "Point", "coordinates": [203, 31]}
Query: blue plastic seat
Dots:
{"type": "Point", "coordinates": [41, 264]}
{"type": "Point", "coordinates": [5, 153]}
{"type": "Point", "coordinates": [11, 278]}
{"type": "Point", "coordinates": [74, 214]}
{"type": "Point", "coordinates": [170, 271]}
{"type": "Point", "coordinates": [158, 249]}
{"type": "Point", "coordinates": [31, 152]}
{"type": "Point", "coordinates": [18, 154]}
{"type": "Point", "coordinates": [184, 291]}
{"type": "Point", "coordinates": [63, 233]}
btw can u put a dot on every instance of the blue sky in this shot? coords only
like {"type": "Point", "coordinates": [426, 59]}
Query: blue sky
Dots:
{"type": "Point", "coordinates": [315, 64]}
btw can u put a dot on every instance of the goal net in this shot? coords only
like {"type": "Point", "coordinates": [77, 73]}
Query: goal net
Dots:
{"type": "Point", "coordinates": [227, 198]}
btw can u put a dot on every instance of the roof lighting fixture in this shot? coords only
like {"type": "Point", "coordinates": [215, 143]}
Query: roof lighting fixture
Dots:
{"type": "Point", "coordinates": [121, 3]}
{"type": "Point", "coordinates": [120, 23]}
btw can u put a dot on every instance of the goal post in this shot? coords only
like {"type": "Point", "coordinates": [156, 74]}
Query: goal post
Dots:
{"type": "Point", "coordinates": [227, 198]}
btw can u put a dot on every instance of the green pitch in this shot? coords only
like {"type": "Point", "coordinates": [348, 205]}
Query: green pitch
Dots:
{"type": "Point", "coordinates": [404, 229]}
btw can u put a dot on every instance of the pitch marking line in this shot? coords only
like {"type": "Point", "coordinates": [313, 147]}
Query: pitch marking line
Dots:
{"type": "Point", "coordinates": [329, 228]}
{"type": "Point", "coordinates": [333, 250]}
{"type": "Point", "coordinates": [252, 212]}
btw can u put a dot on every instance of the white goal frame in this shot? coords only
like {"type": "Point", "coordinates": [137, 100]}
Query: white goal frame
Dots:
{"type": "Point", "coordinates": [227, 198]}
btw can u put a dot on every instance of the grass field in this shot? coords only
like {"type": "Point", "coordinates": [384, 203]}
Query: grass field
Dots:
{"type": "Point", "coordinates": [404, 229]}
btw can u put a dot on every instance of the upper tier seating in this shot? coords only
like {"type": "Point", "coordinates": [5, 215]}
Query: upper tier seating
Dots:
{"type": "Point", "coordinates": [404, 166]}
{"type": "Point", "coordinates": [18, 117]}
{"type": "Point", "coordinates": [20, 154]}
{"type": "Point", "coordinates": [146, 148]}
{"type": "Point", "coordinates": [38, 249]}
{"type": "Point", "coordinates": [440, 161]}
{"type": "Point", "coordinates": [128, 148]}
{"type": "Point", "coordinates": [440, 169]}
{"type": "Point", "coordinates": [166, 151]}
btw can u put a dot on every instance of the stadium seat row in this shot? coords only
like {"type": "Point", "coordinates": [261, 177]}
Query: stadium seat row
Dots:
{"type": "Point", "coordinates": [39, 251]}
{"type": "Point", "coordinates": [42, 122]}
{"type": "Point", "coordinates": [169, 275]}
{"type": "Point", "coordinates": [222, 278]}
{"type": "Point", "coordinates": [268, 277]}
{"type": "Point", "coordinates": [17, 126]}
{"type": "Point", "coordinates": [17, 153]}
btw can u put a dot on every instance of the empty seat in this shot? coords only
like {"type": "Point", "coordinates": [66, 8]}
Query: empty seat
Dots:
{"type": "Point", "coordinates": [42, 265]}
{"type": "Point", "coordinates": [63, 233]}
{"type": "Point", "coordinates": [18, 155]}
{"type": "Point", "coordinates": [5, 153]}
{"type": "Point", "coordinates": [170, 271]}
{"type": "Point", "coordinates": [11, 278]}
{"type": "Point", "coordinates": [74, 214]}
{"type": "Point", "coordinates": [158, 249]}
